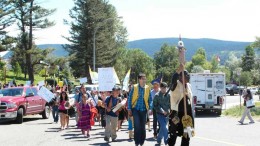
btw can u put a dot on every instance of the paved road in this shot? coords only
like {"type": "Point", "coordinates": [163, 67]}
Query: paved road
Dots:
{"type": "Point", "coordinates": [211, 130]}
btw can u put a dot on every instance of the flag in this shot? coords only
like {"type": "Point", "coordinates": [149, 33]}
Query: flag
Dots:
{"type": "Point", "coordinates": [116, 77]}
{"type": "Point", "coordinates": [158, 80]}
{"type": "Point", "coordinates": [93, 76]}
{"type": "Point", "coordinates": [126, 80]}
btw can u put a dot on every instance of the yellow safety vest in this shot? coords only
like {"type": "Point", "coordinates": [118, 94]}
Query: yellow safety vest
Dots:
{"type": "Point", "coordinates": [136, 95]}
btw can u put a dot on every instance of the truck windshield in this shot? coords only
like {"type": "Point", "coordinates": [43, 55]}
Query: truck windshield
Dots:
{"type": "Point", "coordinates": [11, 92]}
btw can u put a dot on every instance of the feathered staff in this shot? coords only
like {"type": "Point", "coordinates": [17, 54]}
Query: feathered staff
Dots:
{"type": "Point", "coordinates": [186, 119]}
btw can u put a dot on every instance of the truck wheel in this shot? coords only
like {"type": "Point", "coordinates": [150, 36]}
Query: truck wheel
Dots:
{"type": "Point", "coordinates": [219, 112]}
{"type": "Point", "coordinates": [19, 118]}
{"type": "Point", "coordinates": [231, 93]}
{"type": "Point", "coordinates": [46, 112]}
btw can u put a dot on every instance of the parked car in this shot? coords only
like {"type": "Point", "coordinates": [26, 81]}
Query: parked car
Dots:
{"type": "Point", "coordinates": [17, 102]}
{"type": "Point", "coordinates": [232, 89]}
{"type": "Point", "coordinates": [254, 90]}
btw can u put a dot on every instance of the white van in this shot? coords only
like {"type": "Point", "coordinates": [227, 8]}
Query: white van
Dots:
{"type": "Point", "coordinates": [89, 87]}
{"type": "Point", "coordinates": [208, 91]}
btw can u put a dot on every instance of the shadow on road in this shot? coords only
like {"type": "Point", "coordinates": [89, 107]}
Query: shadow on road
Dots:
{"type": "Point", "coordinates": [25, 120]}
{"type": "Point", "coordinates": [206, 114]}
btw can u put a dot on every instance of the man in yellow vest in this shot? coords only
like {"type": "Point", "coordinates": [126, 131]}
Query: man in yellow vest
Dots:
{"type": "Point", "coordinates": [138, 104]}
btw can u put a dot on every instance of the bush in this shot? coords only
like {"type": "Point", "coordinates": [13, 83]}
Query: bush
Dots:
{"type": "Point", "coordinates": [237, 112]}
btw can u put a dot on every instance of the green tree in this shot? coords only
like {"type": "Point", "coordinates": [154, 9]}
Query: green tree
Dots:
{"type": "Point", "coordinates": [256, 44]}
{"type": "Point", "coordinates": [138, 61]}
{"type": "Point", "coordinates": [17, 69]}
{"type": "Point", "coordinates": [6, 11]}
{"type": "Point", "coordinates": [30, 16]}
{"type": "Point", "coordinates": [214, 64]}
{"type": "Point", "coordinates": [199, 58]}
{"type": "Point", "coordinates": [248, 59]}
{"type": "Point", "coordinates": [94, 18]}
{"type": "Point", "coordinates": [246, 78]}
{"type": "Point", "coordinates": [197, 69]}
{"type": "Point", "coordinates": [166, 62]}
{"type": "Point", "coordinates": [232, 63]}
{"type": "Point", "coordinates": [227, 73]}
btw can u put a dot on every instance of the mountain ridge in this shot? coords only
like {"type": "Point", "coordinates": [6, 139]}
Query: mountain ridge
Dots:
{"type": "Point", "coordinates": [152, 45]}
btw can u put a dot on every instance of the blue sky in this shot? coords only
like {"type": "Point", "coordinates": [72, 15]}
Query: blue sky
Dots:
{"type": "Point", "coordinates": [236, 20]}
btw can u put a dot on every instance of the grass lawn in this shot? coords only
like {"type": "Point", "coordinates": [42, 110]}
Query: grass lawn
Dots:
{"type": "Point", "coordinates": [21, 80]}
{"type": "Point", "coordinates": [235, 111]}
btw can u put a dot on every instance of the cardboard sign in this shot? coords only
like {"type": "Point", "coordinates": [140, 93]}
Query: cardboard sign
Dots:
{"type": "Point", "coordinates": [41, 83]}
{"type": "Point", "coordinates": [60, 83]}
{"type": "Point", "coordinates": [106, 79]}
{"type": "Point", "coordinates": [83, 80]}
{"type": "Point", "coordinates": [46, 94]}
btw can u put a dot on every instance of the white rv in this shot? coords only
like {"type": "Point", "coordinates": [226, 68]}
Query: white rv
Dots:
{"type": "Point", "coordinates": [208, 91]}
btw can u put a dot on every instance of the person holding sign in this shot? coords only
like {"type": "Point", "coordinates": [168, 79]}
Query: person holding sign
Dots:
{"type": "Point", "coordinates": [112, 117]}
{"type": "Point", "coordinates": [139, 103]}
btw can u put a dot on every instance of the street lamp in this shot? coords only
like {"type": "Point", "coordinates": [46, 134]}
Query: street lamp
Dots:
{"type": "Point", "coordinates": [94, 40]}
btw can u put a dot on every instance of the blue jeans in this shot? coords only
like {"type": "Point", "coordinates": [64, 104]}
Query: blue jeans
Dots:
{"type": "Point", "coordinates": [139, 126]}
{"type": "Point", "coordinates": [55, 113]}
{"type": "Point", "coordinates": [163, 132]}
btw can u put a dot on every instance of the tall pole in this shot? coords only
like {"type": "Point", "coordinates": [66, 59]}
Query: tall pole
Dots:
{"type": "Point", "coordinates": [94, 49]}
{"type": "Point", "coordinates": [5, 73]}
{"type": "Point", "coordinates": [239, 92]}
{"type": "Point", "coordinates": [45, 75]}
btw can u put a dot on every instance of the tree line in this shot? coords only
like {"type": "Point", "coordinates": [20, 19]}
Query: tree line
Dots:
{"type": "Point", "coordinates": [96, 24]}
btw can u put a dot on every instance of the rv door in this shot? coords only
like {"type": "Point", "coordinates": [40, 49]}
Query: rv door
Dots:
{"type": "Point", "coordinates": [209, 92]}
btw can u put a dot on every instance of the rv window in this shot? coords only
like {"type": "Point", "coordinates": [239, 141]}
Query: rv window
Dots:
{"type": "Point", "coordinates": [209, 83]}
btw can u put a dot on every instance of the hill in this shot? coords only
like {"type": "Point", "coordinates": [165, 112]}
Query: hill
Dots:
{"type": "Point", "coordinates": [150, 46]}
{"type": "Point", "coordinates": [212, 46]}
{"type": "Point", "coordinates": [59, 51]}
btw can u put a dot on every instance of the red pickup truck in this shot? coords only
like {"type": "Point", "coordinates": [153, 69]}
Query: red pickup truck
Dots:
{"type": "Point", "coordinates": [20, 101]}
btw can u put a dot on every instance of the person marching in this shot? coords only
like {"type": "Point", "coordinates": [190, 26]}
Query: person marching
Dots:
{"type": "Point", "coordinates": [156, 89]}
{"type": "Point", "coordinates": [138, 104]}
{"type": "Point", "coordinates": [111, 117]}
{"type": "Point", "coordinates": [161, 104]}
{"type": "Point", "coordinates": [181, 121]}
{"type": "Point", "coordinates": [84, 115]}
{"type": "Point", "coordinates": [62, 109]}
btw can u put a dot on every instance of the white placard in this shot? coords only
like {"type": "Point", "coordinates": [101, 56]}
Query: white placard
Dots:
{"type": "Point", "coordinates": [46, 94]}
{"type": "Point", "coordinates": [118, 106]}
{"type": "Point", "coordinates": [106, 79]}
{"type": "Point", "coordinates": [83, 80]}
{"type": "Point", "coordinates": [41, 83]}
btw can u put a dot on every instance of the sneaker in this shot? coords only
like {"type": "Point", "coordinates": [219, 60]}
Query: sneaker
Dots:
{"type": "Point", "coordinates": [106, 139]}
{"type": "Point", "coordinates": [240, 122]}
{"type": "Point", "coordinates": [251, 122]}
{"type": "Point", "coordinates": [88, 135]}
{"type": "Point", "coordinates": [159, 142]}
{"type": "Point", "coordinates": [113, 140]}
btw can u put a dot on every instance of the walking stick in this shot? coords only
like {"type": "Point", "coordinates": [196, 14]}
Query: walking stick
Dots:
{"type": "Point", "coordinates": [186, 119]}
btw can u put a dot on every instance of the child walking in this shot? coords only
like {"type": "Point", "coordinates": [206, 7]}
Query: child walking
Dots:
{"type": "Point", "coordinates": [84, 114]}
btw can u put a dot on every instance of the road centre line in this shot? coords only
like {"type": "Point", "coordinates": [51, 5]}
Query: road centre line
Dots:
{"type": "Point", "coordinates": [218, 141]}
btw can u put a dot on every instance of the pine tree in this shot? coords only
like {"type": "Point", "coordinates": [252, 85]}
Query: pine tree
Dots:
{"type": "Point", "coordinates": [6, 17]}
{"type": "Point", "coordinates": [30, 16]}
{"type": "Point", "coordinates": [99, 18]}
{"type": "Point", "coordinates": [248, 59]}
